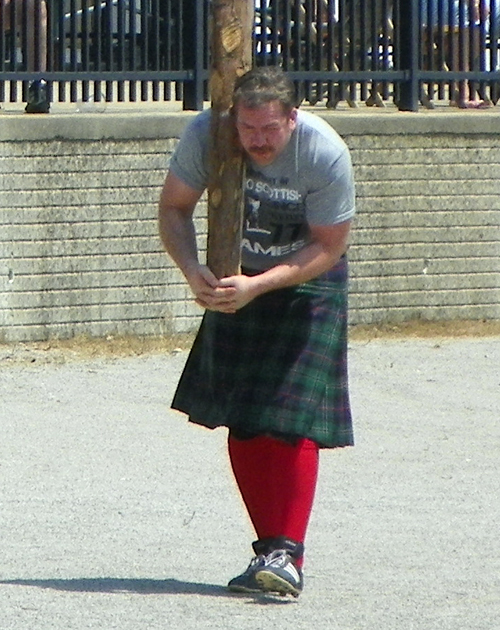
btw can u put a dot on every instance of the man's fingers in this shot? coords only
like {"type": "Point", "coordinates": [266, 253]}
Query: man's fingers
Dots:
{"type": "Point", "coordinates": [218, 299]}
{"type": "Point", "coordinates": [221, 308]}
{"type": "Point", "coordinates": [208, 276]}
{"type": "Point", "coordinates": [217, 295]}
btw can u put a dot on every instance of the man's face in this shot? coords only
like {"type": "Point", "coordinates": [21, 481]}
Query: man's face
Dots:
{"type": "Point", "coordinates": [264, 131]}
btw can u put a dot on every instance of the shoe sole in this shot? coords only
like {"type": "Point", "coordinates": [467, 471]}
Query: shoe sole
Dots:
{"type": "Point", "coordinates": [272, 583]}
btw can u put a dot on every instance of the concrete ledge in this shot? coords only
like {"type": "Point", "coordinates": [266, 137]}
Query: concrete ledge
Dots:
{"type": "Point", "coordinates": [105, 126]}
{"type": "Point", "coordinates": [133, 121]}
{"type": "Point", "coordinates": [390, 122]}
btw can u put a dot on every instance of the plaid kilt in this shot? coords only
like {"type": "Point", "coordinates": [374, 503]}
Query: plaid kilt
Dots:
{"type": "Point", "coordinates": [278, 366]}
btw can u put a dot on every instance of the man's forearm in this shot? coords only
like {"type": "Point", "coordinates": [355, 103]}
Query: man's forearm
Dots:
{"type": "Point", "coordinates": [178, 236]}
{"type": "Point", "coordinates": [175, 222]}
{"type": "Point", "coordinates": [309, 263]}
{"type": "Point", "coordinates": [324, 251]}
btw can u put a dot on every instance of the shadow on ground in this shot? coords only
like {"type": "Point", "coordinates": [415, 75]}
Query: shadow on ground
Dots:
{"type": "Point", "coordinates": [123, 585]}
{"type": "Point", "coordinates": [142, 586]}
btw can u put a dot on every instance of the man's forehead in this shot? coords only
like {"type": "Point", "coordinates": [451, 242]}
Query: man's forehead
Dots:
{"type": "Point", "coordinates": [272, 110]}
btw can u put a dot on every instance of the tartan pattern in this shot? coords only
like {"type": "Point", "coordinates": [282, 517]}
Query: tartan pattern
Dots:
{"type": "Point", "coordinates": [278, 366]}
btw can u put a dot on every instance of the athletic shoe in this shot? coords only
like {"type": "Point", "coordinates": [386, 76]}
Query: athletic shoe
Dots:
{"type": "Point", "coordinates": [279, 574]}
{"type": "Point", "coordinates": [246, 583]}
{"type": "Point", "coordinates": [38, 98]}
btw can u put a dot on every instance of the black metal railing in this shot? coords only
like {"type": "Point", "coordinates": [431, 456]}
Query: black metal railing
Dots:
{"type": "Point", "coordinates": [124, 50]}
{"type": "Point", "coordinates": [357, 51]}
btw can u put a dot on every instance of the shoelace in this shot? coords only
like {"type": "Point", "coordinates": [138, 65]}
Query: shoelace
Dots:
{"type": "Point", "coordinates": [255, 562]}
{"type": "Point", "coordinates": [278, 558]}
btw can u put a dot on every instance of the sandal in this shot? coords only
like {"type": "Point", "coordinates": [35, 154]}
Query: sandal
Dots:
{"type": "Point", "coordinates": [471, 104]}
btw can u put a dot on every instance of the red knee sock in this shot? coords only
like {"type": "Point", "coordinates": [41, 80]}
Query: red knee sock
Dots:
{"type": "Point", "coordinates": [277, 481]}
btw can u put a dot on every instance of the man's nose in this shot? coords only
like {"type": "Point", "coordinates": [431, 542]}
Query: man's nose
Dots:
{"type": "Point", "coordinates": [258, 138]}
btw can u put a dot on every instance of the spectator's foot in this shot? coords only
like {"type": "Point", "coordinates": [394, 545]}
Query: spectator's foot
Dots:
{"type": "Point", "coordinates": [374, 100]}
{"type": "Point", "coordinates": [38, 98]}
{"type": "Point", "coordinates": [426, 100]}
{"type": "Point", "coordinates": [474, 104]}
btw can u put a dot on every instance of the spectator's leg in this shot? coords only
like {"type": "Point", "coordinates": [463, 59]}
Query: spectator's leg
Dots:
{"type": "Point", "coordinates": [36, 55]}
{"type": "Point", "coordinates": [36, 58]}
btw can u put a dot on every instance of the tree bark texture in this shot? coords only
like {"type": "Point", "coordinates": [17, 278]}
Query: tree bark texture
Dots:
{"type": "Point", "coordinates": [231, 56]}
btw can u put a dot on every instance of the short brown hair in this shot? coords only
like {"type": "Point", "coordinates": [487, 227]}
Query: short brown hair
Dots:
{"type": "Point", "coordinates": [263, 85]}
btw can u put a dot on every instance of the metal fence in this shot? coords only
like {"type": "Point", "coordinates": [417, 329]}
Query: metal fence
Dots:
{"type": "Point", "coordinates": [124, 50]}
{"type": "Point", "coordinates": [354, 51]}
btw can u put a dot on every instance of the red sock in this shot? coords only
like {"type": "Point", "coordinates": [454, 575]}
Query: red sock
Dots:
{"type": "Point", "coordinates": [277, 481]}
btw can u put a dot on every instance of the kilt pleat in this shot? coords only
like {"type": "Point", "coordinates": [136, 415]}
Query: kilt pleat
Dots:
{"type": "Point", "coordinates": [278, 366]}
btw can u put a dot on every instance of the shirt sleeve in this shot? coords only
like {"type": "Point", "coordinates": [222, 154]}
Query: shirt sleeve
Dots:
{"type": "Point", "coordinates": [332, 200]}
{"type": "Point", "coordinates": [189, 161]}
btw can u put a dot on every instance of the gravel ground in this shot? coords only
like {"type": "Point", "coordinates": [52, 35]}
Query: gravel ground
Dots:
{"type": "Point", "coordinates": [115, 513]}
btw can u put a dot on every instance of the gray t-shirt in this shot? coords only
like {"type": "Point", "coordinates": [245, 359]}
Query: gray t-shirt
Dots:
{"type": "Point", "coordinates": [310, 183]}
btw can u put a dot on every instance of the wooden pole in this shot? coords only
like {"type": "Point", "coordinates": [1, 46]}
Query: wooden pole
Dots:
{"type": "Point", "coordinates": [231, 48]}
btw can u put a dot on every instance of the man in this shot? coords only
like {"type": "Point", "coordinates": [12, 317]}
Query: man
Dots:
{"type": "Point", "coordinates": [269, 360]}
{"type": "Point", "coordinates": [31, 14]}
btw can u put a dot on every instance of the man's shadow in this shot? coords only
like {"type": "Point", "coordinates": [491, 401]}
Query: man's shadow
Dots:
{"type": "Point", "coordinates": [123, 585]}
{"type": "Point", "coordinates": [141, 586]}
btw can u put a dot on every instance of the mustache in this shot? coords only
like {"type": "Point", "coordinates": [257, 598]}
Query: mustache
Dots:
{"type": "Point", "coordinates": [260, 149]}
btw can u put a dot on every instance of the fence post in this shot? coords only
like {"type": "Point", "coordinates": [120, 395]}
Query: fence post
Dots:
{"type": "Point", "coordinates": [193, 53]}
{"type": "Point", "coordinates": [408, 37]}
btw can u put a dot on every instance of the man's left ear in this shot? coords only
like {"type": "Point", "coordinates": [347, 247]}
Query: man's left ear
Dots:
{"type": "Point", "coordinates": [293, 116]}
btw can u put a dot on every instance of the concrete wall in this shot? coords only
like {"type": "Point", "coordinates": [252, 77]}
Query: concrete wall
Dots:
{"type": "Point", "coordinates": [79, 251]}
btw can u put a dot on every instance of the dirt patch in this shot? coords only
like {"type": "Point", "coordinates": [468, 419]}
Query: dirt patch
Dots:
{"type": "Point", "coordinates": [424, 329]}
{"type": "Point", "coordinates": [87, 348]}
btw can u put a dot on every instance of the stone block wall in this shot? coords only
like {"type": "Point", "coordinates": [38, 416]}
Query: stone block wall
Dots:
{"type": "Point", "coordinates": [80, 253]}
{"type": "Point", "coordinates": [426, 243]}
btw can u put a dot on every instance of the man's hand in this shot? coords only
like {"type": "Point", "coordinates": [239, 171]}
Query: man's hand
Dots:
{"type": "Point", "coordinates": [208, 291]}
{"type": "Point", "coordinates": [244, 290]}
{"type": "Point", "coordinates": [226, 296]}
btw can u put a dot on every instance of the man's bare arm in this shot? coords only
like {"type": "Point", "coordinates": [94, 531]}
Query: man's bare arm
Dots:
{"type": "Point", "coordinates": [325, 249]}
{"type": "Point", "coordinates": [178, 235]}
{"type": "Point", "coordinates": [175, 220]}
{"type": "Point", "coordinates": [327, 245]}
